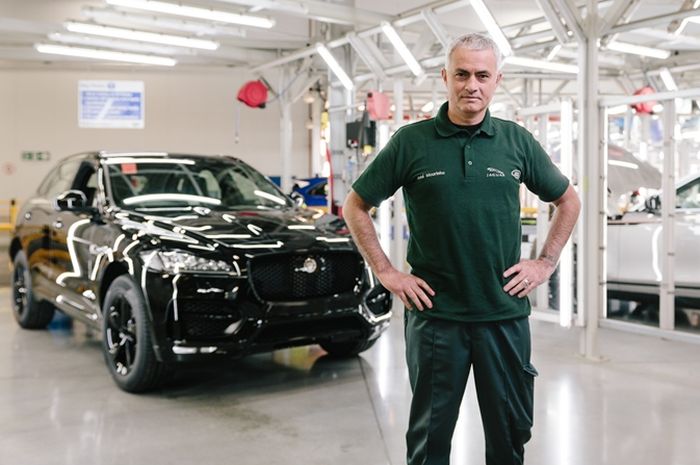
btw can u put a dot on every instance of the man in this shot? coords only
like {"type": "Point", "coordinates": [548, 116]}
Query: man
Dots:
{"type": "Point", "coordinates": [465, 296]}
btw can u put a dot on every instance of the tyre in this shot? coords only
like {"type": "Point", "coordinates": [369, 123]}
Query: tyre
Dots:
{"type": "Point", "coordinates": [346, 349]}
{"type": "Point", "coordinates": [126, 338]}
{"type": "Point", "coordinates": [29, 311]}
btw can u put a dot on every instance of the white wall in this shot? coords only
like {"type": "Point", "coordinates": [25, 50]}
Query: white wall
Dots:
{"type": "Point", "coordinates": [185, 112]}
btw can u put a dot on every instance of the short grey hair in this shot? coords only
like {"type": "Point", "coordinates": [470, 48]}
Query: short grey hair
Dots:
{"type": "Point", "coordinates": [475, 41]}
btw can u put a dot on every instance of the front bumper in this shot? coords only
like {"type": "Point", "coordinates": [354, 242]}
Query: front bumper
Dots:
{"type": "Point", "coordinates": [197, 316]}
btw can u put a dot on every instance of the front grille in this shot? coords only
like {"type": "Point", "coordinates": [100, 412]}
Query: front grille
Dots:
{"type": "Point", "coordinates": [282, 277]}
{"type": "Point", "coordinates": [206, 319]}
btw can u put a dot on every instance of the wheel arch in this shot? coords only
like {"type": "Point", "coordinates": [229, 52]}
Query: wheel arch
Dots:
{"type": "Point", "coordinates": [112, 272]}
{"type": "Point", "coordinates": [15, 246]}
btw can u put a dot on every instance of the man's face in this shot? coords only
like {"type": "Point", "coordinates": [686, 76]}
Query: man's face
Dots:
{"type": "Point", "coordinates": [471, 78]}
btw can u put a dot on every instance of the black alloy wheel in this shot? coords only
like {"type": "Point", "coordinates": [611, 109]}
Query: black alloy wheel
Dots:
{"type": "Point", "coordinates": [126, 338]}
{"type": "Point", "coordinates": [30, 312]}
{"type": "Point", "coordinates": [120, 335]}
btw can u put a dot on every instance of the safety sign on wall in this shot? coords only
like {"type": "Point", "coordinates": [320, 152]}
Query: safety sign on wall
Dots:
{"type": "Point", "coordinates": [111, 104]}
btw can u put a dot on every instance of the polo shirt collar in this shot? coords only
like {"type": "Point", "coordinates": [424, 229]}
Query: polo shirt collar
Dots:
{"type": "Point", "coordinates": [446, 128]}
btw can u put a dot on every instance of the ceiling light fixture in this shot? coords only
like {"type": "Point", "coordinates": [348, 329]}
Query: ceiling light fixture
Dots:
{"type": "Point", "coordinates": [400, 47]}
{"type": "Point", "coordinates": [159, 22]}
{"type": "Point", "coordinates": [667, 78]}
{"type": "Point", "coordinates": [541, 64]}
{"type": "Point", "coordinates": [334, 66]}
{"type": "Point", "coordinates": [104, 55]}
{"type": "Point", "coordinates": [105, 42]}
{"type": "Point", "coordinates": [634, 49]}
{"type": "Point", "coordinates": [492, 27]}
{"type": "Point", "coordinates": [140, 36]}
{"type": "Point", "coordinates": [195, 12]}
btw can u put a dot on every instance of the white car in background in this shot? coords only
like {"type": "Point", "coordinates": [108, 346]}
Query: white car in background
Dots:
{"type": "Point", "coordinates": [634, 250]}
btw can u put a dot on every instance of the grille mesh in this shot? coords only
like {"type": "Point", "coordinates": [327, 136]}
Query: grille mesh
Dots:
{"type": "Point", "coordinates": [280, 277]}
{"type": "Point", "coordinates": [202, 319]}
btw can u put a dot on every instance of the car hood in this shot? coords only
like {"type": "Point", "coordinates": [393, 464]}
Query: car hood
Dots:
{"type": "Point", "coordinates": [248, 229]}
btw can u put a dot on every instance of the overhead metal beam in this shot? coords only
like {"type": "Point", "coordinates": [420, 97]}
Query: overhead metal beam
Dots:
{"type": "Point", "coordinates": [362, 50]}
{"type": "Point", "coordinates": [560, 31]}
{"type": "Point", "coordinates": [572, 16]}
{"type": "Point", "coordinates": [320, 11]}
{"type": "Point", "coordinates": [676, 23]}
{"type": "Point", "coordinates": [652, 21]}
{"type": "Point", "coordinates": [438, 29]}
{"type": "Point", "coordinates": [615, 13]}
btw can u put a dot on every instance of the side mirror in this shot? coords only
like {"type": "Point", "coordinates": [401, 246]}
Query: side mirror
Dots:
{"type": "Point", "coordinates": [298, 198]}
{"type": "Point", "coordinates": [653, 203]}
{"type": "Point", "coordinates": [72, 200]}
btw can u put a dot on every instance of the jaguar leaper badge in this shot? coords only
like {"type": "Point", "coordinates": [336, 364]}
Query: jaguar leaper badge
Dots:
{"type": "Point", "coordinates": [310, 266]}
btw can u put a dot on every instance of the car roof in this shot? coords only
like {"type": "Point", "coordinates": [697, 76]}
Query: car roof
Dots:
{"type": "Point", "coordinates": [103, 154]}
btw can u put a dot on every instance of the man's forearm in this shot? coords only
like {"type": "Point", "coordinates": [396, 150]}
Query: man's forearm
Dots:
{"type": "Point", "coordinates": [562, 226]}
{"type": "Point", "coordinates": [363, 233]}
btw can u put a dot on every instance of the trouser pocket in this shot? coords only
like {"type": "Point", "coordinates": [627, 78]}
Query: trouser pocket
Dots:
{"type": "Point", "coordinates": [523, 407]}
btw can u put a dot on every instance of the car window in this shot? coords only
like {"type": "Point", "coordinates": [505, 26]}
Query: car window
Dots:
{"type": "Point", "coordinates": [60, 179]}
{"type": "Point", "coordinates": [689, 196]}
{"type": "Point", "coordinates": [139, 182]}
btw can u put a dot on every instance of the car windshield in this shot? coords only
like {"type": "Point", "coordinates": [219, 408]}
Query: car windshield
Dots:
{"type": "Point", "coordinates": [151, 182]}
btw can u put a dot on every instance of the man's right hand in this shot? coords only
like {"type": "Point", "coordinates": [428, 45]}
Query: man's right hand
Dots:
{"type": "Point", "coordinates": [412, 290]}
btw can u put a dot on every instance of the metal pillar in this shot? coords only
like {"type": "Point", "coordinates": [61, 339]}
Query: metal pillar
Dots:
{"type": "Point", "coordinates": [668, 208]}
{"type": "Point", "coordinates": [316, 109]}
{"type": "Point", "coordinates": [398, 253]}
{"type": "Point", "coordinates": [285, 134]}
{"type": "Point", "coordinates": [566, 270]}
{"type": "Point", "coordinates": [591, 285]}
{"type": "Point", "coordinates": [542, 292]}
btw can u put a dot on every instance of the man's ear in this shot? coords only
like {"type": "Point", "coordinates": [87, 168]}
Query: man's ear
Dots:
{"type": "Point", "coordinates": [443, 73]}
{"type": "Point", "coordinates": [498, 78]}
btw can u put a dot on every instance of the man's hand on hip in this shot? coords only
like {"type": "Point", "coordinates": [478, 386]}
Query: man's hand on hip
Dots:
{"type": "Point", "coordinates": [527, 275]}
{"type": "Point", "coordinates": [412, 290]}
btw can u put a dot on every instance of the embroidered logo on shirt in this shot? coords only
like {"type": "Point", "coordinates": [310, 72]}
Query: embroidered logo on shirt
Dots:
{"type": "Point", "coordinates": [430, 175]}
{"type": "Point", "coordinates": [515, 174]}
{"type": "Point", "coordinates": [494, 173]}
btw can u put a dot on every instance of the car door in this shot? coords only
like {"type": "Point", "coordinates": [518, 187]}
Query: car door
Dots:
{"type": "Point", "coordinates": [74, 249]}
{"type": "Point", "coordinates": [688, 238]}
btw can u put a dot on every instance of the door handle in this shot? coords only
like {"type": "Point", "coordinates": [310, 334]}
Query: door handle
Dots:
{"type": "Point", "coordinates": [58, 224]}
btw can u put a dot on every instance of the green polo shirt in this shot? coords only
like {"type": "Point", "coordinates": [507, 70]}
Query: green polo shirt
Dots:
{"type": "Point", "coordinates": [462, 196]}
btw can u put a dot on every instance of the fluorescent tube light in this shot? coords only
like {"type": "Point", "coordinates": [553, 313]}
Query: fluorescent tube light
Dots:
{"type": "Point", "coordinates": [667, 79]}
{"type": "Point", "coordinates": [428, 107]}
{"type": "Point", "coordinates": [624, 164]}
{"type": "Point", "coordinates": [104, 55]}
{"type": "Point", "coordinates": [141, 36]}
{"type": "Point", "coordinates": [492, 27]}
{"type": "Point", "coordinates": [541, 64]}
{"type": "Point", "coordinates": [104, 42]}
{"type": "Point", "coordinates": [625, 47]}
{"type": "Point", "coordinates": [334, 66]}
{"type": "Point", "coordinates": [195, 12]}
{"type": "Point", "coordinates": [159, 22]}
{"type": "Point", "coordinates": [400, 47]}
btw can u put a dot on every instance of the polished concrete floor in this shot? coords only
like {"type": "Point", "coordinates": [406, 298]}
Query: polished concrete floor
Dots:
{"type": "Point", "coordinates": [58, 405]}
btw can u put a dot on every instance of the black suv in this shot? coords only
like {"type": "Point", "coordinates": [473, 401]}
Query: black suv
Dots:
{"type": "Point", "coordinates": [188, 258]}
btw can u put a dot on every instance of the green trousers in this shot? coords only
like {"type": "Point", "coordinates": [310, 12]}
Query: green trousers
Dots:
{"type": "Point", "coordinates": [440, 354]}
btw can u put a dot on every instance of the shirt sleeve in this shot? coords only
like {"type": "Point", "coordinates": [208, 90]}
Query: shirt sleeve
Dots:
{"type": "Point", "coordinates": [383, 176]}
{"type": "Point", "coordinates": [542, 176]}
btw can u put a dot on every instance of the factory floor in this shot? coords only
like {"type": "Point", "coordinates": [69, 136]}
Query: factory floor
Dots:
{"type": "Point", "coordinates": [58, 405]}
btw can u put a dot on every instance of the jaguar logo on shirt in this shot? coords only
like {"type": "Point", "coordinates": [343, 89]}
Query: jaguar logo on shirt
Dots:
{"type": "Point", "coordinates": [516, 174]}
{"type": "Point", "coordinates": [494, 173]}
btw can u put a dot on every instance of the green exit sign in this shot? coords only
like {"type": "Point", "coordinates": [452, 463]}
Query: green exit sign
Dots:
{"type": "Point", "coordinates": [36, 156]}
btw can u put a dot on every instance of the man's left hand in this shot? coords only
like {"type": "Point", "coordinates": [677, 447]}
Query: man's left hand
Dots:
{"type": "Point", "coordinates": [527, 275]}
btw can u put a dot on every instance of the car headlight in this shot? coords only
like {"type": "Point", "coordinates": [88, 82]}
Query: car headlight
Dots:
{"type": "Point", "coordinates": [175, 261]}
